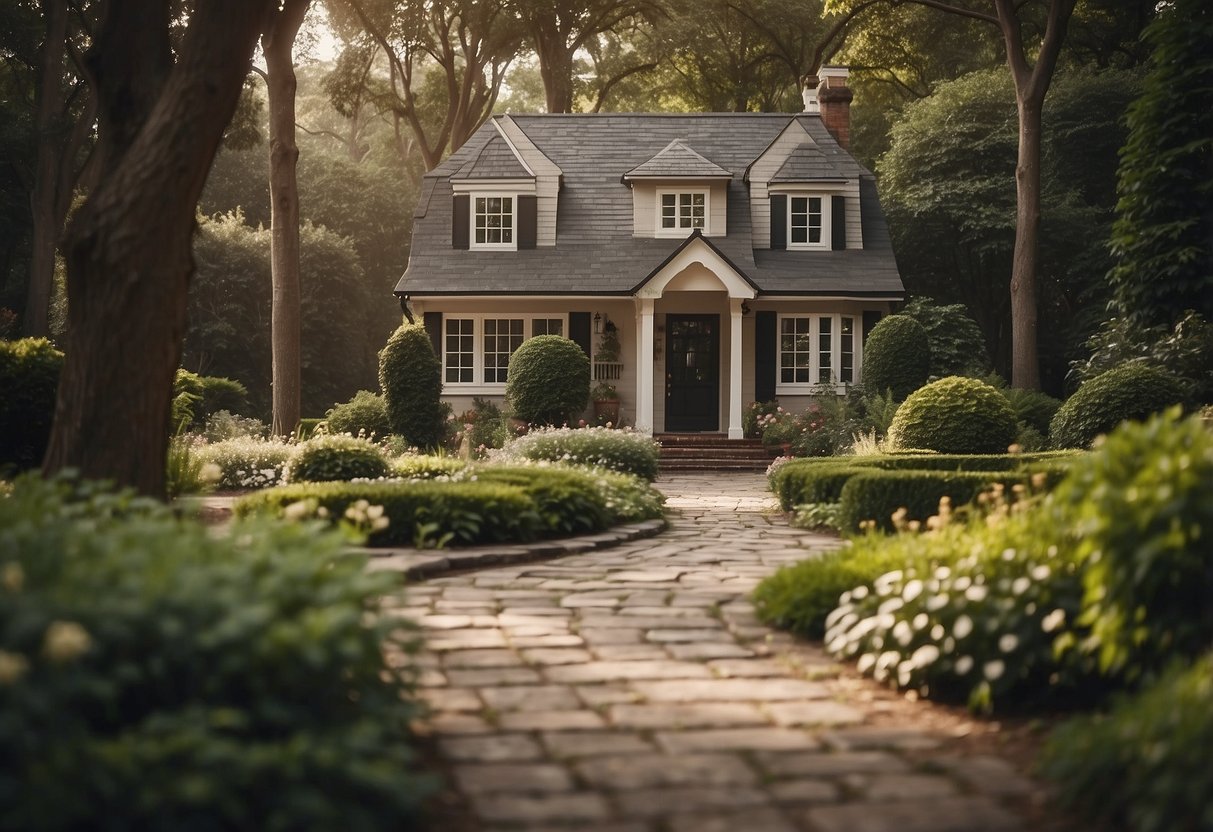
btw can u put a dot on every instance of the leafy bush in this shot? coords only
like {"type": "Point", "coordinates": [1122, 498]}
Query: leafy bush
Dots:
{"type": "Point", "coordinates": [957, 345]}
{"type": "Point", "coordinates": [418, 513]}
{"type": "Point", "coordinates": [799, 597]}
{"type": "Point", "coordinates": [816, 516]}
{"type": "Point", "coordinates": [331, 457]}
{"type": "Point", "coordinates": [624, 498]}
{"type": "Point", "coordinates": [548, 381]}
{"type": "Point", "coordinates": [566, 499]}
{"type": "Point", "coordinates": [754, 415]}
{"type": "Point", "coordinates": [970, 616]}
{"type": "Point", "coordinates": [799, 482]}
{"type": "Point", "coordinates": [219, 393]}
{"type": "Point", "coordinates": [1145, 766]}
{"type": "Point", "coordinates": [248, 462]}
{"type": "Point", "coordinates": [875, 496]}
{"type": "Point", "coordinates": [365, 413]}
{"type": "Point", "coordinates": [1142, 509]}
{"type": "Point", "coordinates": [484, 426]}
{"type": "Point", "coordinates": [411, 377]}
{"type": "Point", "coordinates": [896, 357]}
{"type": "Point", "coordinates": [185, 470]}
{"type": "Point", "coordinates": [955, 415]}
{"type": "Point", "coordinates": [158, 677]}
{"type": "Point", "coordinates": [425, 467]}
{"type": "Point", "coordinates": [1185, 350]}
{"type": "Point", "coordinates": [615, 450]}
{"type": "Point", "coordinates": [29, 377]}
{"type": "Point", "coordinates": [1032, 408]}
{"type": "Point", "coordinates": [223, 424]}
{"type": "Point", "coordinates": [308, 428]}
{"type": "Point", "coordinates": [1131, 391]}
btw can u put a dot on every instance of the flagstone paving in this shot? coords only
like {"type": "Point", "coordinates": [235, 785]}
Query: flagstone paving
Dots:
{"type": "Point", "coordinates": [634, 690]}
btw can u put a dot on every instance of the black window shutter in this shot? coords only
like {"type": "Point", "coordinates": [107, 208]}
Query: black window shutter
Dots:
{"type": "Point", "coordinates": [528, 221]}
{"type": "Point", "coordinates": [433, 328]}
{"type": "Point", "coordinates": [460, 221]}
{"type": "Point", "coordinates": [765, 355]}
{"type": "Point", "coordinates": [870, 319]}
{"type": "Point", "coordinates": [579, 330]}
{"type": "Point", "coordinates": [779, 221]}
{"type": "Point", "coordinates": [838, 222]}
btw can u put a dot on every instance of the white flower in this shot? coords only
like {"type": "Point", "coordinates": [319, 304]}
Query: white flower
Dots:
{"type": "Point", "coordinates": [12, 667]}
{"type": "Point", "coordinates": [925, 655]}
{"type": "Point", "coordinates": [1053, 620]}
{"type": "Point", "coordinates": [976, 593]}
{"type": "Point", "coordinates": [937, 602]}
{"type": "Point", "coordinates": [1008, 642]}
{"type": "Point", "coordinates": [912, 590]}
{"type": "Point", "coordinates": [921, 620]}
{"type": "Point", "coordinates": [12, 577]}
{"type": "Point", "coordinates": [903, 633]}
{"type": "Point", "coordinates": [1041, 573]}
{"type": "Point", "coordinates": [993, 670]}
{"type": "Point", "coordinates": [299, 510]}
{"type": "Point", "coordinates": [962, 627]}
{"type": "Point", "coordinates": [963, 665]}
{"type": "Point", "coordinates": [1021, 585]}
{"type": "Point", "coordinates": [64, 641]}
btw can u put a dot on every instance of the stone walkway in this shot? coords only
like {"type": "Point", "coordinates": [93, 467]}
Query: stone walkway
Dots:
{"type": "Point", "coordinates": [633, 690]}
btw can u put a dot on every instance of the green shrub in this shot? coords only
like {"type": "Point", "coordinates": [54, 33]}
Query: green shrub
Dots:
{"type": "Point", "coordinates": [425, 467]}
{"type": "Point", "coordinates": [419, 513]}
{"type": "Point", "coordinates": [223, 425]}
{"type": "Point", "coordinates": [1142, 509]}
{"type": "Point", "coordinates": [411, 377]}
{"type": "Point", "coordinates": [1129, 392]}
{"type": "Point", "coordinates": [816, 516]}
{"type": "Point", "coordinates": [1145, 766]}
{"type": "Point", "coordinates": [1032, 408]}
{"type": "Point", "coordinates": [484, 426]}
{"type": "Point", "coordinates": [615, 450]}
{"type": "Point", "coordinates": [968, 616]}
{"type": "Point", "coordinates": [548, 381]}
{"type": "Point", "coordinates": [955, 415]}
{"type": "Point", "coordinates": [186, 472]}
{"type": "Point", "coordinates": [248, 462]}
{"type": "Point", "coordinates": [159, 677]}
{"type": "Point", "coordinates": [365, 414]}
{"type": "Point", "coordinates": [609, 497]}
{"type": "Point", "coordinates": [876, 495]}
{"type": "Point", "coordinates": [896, 357]}
{"type": "Point", "coordinates": [957, 345]}
{"type": "Point", "coordinates": [307, 429]}
{"type": "Point", "coordinates": [331, 457]}
{"type": "Point", "coordinates": [796, 483]}
{"type": "Point", "coordinates": [29, 379]}
{"type": "Point", "coordinates": [219, 393]}
{"type": "Point", "coordinates": [754, 415]}
{"type": "Point", "coordinates": [799, 597]}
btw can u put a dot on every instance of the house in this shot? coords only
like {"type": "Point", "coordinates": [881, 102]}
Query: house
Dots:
{"type": "Point", "coordinates": [734, 257]}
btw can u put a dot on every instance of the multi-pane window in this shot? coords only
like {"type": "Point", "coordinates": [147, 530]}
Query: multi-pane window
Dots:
{"type": "Point", "coordinates": [493, 221]}
{"type": "Point", "coordinates": [816, 349]}
{"type": "Point", "coordinates": [683, 211]}
{"type": "Point", "coordinates": [460, 350]}
{"type": "Point", "coordinates": [805, 221]}
{"type": "Point", "coordinates": [477, 349]}
{"type": "Point", "coordinates": [501, 337]}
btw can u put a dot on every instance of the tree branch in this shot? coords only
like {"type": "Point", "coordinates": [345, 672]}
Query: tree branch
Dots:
{"type": "Point", "coordinates": [948, 7]}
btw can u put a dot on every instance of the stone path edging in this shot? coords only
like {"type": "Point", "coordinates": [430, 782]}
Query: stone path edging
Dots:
{"type": "Point", "coordinates": [419, 564]}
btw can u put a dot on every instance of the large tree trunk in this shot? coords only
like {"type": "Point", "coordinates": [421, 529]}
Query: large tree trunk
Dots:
{"type": "Point", "coordinates": [128, 248]}
{"type": "Point", "coordinates": [1025, 262]}
{"type": "Point", "coordinates": [556, 70]}
{"type": "Point", "coordinates": [284, 213]}
{"type": "Point", "coordinates": [47, 206]}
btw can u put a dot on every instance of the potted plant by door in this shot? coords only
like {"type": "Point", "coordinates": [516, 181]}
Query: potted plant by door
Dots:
{"type": "Point", "coordinates": [606, 403]}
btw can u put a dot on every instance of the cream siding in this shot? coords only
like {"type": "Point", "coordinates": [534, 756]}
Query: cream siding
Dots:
{"type": "Point", "coordinates": [761, 171]}
{"type": "Point", "coordinates": [644, 206]}
{"type": "Point", "coordinates": [547, 179]}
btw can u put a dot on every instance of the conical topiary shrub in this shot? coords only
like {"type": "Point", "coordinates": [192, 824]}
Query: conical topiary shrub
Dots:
{"type": "Point", "coordinates": [411, 377]}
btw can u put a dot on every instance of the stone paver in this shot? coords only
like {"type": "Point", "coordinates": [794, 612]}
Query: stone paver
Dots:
{"type": "Point", "coordinates": [633, 689]}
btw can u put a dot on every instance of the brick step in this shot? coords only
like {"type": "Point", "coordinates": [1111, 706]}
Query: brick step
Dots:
{"type": "Point", "coordinates": [704, 440]}
{"type": "Point", "coordinates": [721, 453]}
{"type": "Point", "coordinates": [714, 465]}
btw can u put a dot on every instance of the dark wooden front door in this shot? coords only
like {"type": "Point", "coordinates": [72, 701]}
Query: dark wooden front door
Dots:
{"type": "Point", "coordinates": [692, 373]}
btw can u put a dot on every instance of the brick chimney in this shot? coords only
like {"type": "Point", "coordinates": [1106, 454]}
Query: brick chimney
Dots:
{"type": "Point", "coordinates": [834, 99]}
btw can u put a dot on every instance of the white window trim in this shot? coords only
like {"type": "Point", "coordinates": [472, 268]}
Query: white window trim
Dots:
{"type": "Point", "coordinates": [510, 246]}
{"type": "Point", "coordinates": [678, 231]}
{"type": "Point", "coordinates": [826, 221]}
{"type": "Point", "coordinates": [478, 385]}
{"type": "Point", "coordinates": [840, 387]}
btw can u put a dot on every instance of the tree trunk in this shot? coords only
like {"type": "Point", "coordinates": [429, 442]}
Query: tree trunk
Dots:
{"type": "Point", "coordinates": [45, 198]}
{"type": "Point", "coordinates": [284, 216]}
{"type": "Point", "coordinates": [1025, 262]}
{"type": "Point", "coordinates": [556, 70]}
{"type": "Point", "coordinates": [128, 248]}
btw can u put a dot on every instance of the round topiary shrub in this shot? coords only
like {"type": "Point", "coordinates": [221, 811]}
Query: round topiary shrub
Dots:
{"type": "Point", "coordinates": [548, 381]}
{"type": "Point", "coordinates": [336, 457]}
{"type": "Point", "coordinates": [29, 379]}
{"type": "Point", "coordinates": [1131, 391]}
{"type": "Point", "coordinates": [955, 415]}
{"type": "Point", "coordinates": [896, 356]}
{"type": "Point", "coordinates": [411, 377]}
{"type": "Point", "coordinates": [366, 414]}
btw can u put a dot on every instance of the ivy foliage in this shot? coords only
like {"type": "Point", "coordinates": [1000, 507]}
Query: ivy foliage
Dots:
{"type": "Point", "coordinates": [411, 378]}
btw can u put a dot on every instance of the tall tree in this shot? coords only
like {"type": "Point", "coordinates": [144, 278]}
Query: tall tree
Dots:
{"type": "Point", "coordinates": [1031, 79]}
{"type": "Point", "coordinates": [128, 246]}
{"type": "Point", "coordinates": [277, 44]}
{"type": "Point", "coordinates": [446, 60]}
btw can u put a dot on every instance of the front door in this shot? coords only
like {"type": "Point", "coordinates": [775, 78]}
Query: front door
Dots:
{"type": "Point", "coordinates": [692, 373]}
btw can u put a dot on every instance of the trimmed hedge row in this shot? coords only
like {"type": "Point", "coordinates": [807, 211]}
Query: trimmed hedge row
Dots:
{"type": "Point", "coordinates": [876, 495]}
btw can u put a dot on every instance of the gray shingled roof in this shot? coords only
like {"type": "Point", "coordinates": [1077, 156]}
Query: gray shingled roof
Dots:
{"type": "Point", "coordinates": [677, 160]}
{"type": "Point", "coordinates": [807, 163]}
{"type": "Point", "coordinates": [496, 160]}
{"type": "Point", "coordinates": [595, 252]}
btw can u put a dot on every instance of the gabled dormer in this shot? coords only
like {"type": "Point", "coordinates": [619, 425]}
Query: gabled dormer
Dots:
{"type": "Point", "coordinates": [804, 188]}
{"type": "Point", "coordinates": [679, 191]}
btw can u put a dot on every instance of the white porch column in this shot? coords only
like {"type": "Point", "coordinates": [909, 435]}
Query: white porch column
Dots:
{"type": "Point", "coordinates": [644, 366]}
{"type": "Point", "coordinates": [735, 431]}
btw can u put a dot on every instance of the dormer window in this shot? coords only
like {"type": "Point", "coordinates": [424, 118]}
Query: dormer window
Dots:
{"type": "Point", "coordinates": [682, 211]}
{"type": "Point", "coordinates": [808, 219]}
{"type": "Point", "coordinates": [493, 222]}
